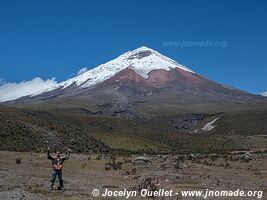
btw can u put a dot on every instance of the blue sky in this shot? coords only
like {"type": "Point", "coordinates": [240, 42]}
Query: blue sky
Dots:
{"type": "Point", "coordinates": [56, 38]}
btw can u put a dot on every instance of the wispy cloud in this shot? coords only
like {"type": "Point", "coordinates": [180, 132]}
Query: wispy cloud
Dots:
{"type": "Point", "coordinates": [264, 94]}
{"type": "Point", "coordinates": [82, 70]}
{"type": "Point", "coordinates": [11, 91]}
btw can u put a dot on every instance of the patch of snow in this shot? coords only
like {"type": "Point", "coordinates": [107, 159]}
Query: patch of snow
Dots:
{"type": "Point", "coordinates": [82, 70]}
{"type": "Point", "coordinates": [209, 126]}
{"type": "Point", "coordinates": [194, 131]}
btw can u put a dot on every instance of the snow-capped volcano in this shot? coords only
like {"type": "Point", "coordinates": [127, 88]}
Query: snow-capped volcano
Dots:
{"type": "Point", "coordinates": [138, 74]}
{"type": "Point", "coordinates": [142, 60]}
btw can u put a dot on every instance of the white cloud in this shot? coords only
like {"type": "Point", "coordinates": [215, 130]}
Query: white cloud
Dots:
{"type": "Point", "coordinates": [11, 91]}
{"type": "Point", "coordinates": [82, 70]}
{"type": "Point", "coordinates": [264, 94]}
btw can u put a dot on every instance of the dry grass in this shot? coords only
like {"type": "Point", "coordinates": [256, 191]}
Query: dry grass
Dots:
{"type": "Point", "coordinates": [31, 178]}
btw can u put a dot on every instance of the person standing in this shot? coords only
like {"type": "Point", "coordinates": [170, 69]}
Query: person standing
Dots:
{"type": "Point", "coordinates": [57, 165]}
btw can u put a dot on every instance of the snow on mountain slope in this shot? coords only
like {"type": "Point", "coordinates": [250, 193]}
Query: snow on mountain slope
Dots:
{"type": "Point", "coordinates": [139, 69]}
{"type": "Point", "coordinates": [141, 60]}
{"type": "Point", "coordinates": [210, 125]}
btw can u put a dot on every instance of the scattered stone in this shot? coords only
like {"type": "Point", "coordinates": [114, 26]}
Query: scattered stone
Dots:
{"type": "Point", "coordinates": [142, 158]}
{"type": "Point", "coordinates": [246, 157]}
{"type": "Point", "coordinates": [107, 166]}
{"type": "Point", "coordinates": [227, 165]}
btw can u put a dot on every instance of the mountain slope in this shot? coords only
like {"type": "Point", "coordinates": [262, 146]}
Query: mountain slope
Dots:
{"type": "Point", "coordinates": [142, 72]}
{"type": "Point", "coordinates": [138, 101]}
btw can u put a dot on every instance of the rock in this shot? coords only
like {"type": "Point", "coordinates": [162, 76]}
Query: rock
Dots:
{"type": "Point", "coordinates": [246, 157]}
{"type": "Point", "coordinates": [107, 166]}
{"type": "Point", "coordinates": [186, 121]}
{"type": "Point", "coordinates": [142, 159]}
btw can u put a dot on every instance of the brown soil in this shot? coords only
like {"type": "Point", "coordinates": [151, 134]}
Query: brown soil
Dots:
{"type": "Point", "coordinates": [83, 173]}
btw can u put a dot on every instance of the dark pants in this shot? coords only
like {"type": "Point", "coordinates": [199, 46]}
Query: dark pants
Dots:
{"type": "Point", "coordinates": [54, 176]}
